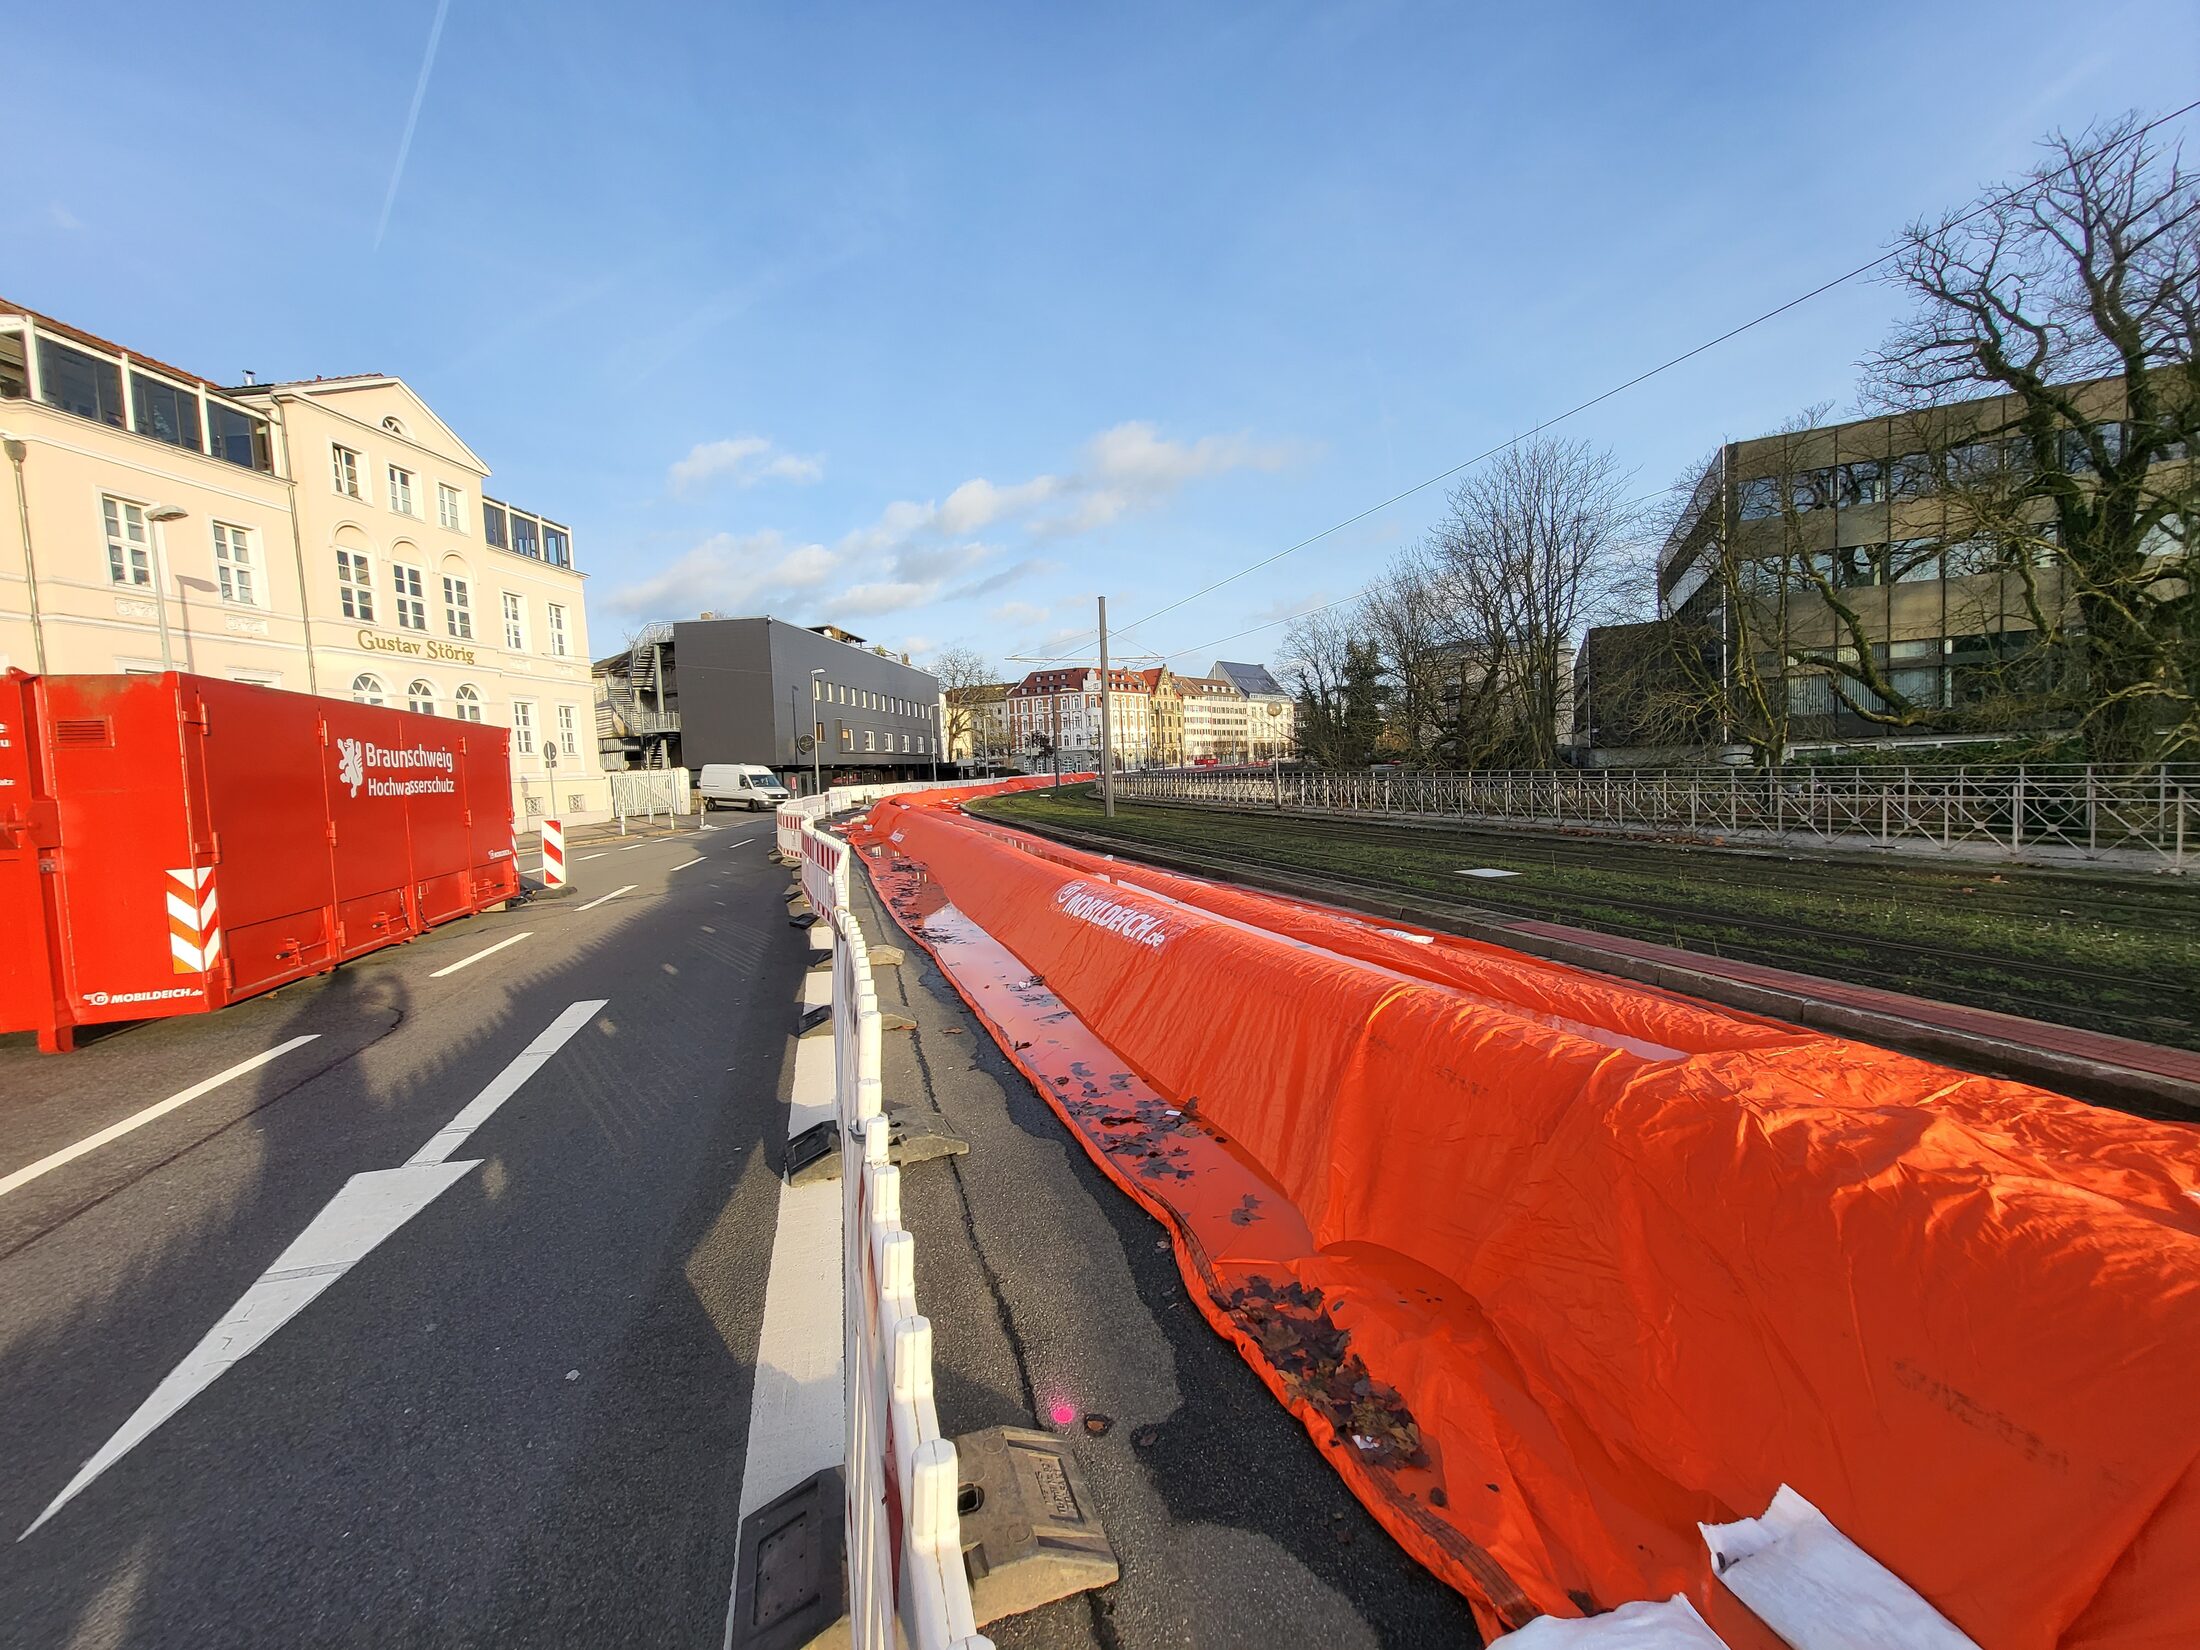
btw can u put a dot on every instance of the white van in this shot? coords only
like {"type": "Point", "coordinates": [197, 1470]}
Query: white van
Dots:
{"type": "Point", "coordinates": [739, 785]}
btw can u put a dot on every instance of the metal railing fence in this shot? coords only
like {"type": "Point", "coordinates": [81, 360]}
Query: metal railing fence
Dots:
{"type": "Point", "coordinates": [2146, 816]}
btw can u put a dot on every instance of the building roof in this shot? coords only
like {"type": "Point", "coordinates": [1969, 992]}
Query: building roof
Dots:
{"type": "Point", "coordinates": [317, 378]}
{"type": "Point", "coordinates": [1250, 680]}
{"type": "Point", "coordinates": [1209, 687]}
{"type": "Point", "coordinates": [62, 329]}
{"type": "Point", "coordinates": [1072, 680]}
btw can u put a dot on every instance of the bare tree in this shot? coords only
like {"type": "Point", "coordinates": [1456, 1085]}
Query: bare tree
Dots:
{"type": "Point", "coordinates": [1403, 614]}
{"type": "Point", "coordinates": [2085, 494]}
{"type": "Point", "coordinates": [1532, 549]}
{"type": "Point", "coordinates": [1333, 668]}
{"type": "Point", "coordinates": [961, 672]}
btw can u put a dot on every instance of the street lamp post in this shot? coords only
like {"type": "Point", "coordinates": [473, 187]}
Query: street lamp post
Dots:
{"type": "Point", "coordinates": [160, 515]}
{"type": "Point", "coordinates": [817, 772]}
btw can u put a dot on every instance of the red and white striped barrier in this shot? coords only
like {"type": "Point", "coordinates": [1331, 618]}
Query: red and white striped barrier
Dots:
{"type": "Point", "coordinates": [194, 920]}
{"type": "Point", "coordinates": [824, 871]}
{"type": "Point", "coordinates": [553, 854]}
{"type": "Point", "coordinates": [788, 821]}
{"type": "Point", "coordinates": [906, 1582]}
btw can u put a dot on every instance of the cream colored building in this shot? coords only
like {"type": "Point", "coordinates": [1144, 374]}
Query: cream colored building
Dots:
{"type": "Point", "coordinates": [329, 536]}
{"type": "Point", "coordinates": [974, 721]}
{"type": "Point", "coordinates": [1218, 720]}
{"type": "Point", "coordinates": [1060, 709]}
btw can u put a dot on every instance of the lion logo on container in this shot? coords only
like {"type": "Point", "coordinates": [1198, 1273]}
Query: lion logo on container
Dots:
{"type": "Point", "coordinates": [351, 764]}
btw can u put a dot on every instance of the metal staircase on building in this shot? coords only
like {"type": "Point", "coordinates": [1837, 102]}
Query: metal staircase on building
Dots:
{"type": "Point", "coordinates": [632, 726]}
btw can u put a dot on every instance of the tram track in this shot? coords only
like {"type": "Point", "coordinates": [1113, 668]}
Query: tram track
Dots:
{"type": "Point", "coordinates": [1828, 930]}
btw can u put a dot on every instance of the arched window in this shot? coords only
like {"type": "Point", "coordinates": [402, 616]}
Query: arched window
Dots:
{"type": "Point", "coordinates": [469, 703]}
{"type": "Point", "coordinates": [366, 688]}
{"type": "Point", "coordinates": [420, 698]}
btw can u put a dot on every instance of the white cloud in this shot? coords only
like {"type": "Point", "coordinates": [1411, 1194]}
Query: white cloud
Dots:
{"type": "Point", "coordinates": [1130, 467]}
{"type": "Point", "coordinates": [1014, 573]}
{"type": "Point", "coordinates": [63, 218]}
{"type": "Point", "coordinates": [730, 574]}
{"type": "Point", "coordinates": [880, 596]}
{"type": "Point", "coordinates": [744, 460]}
{"type": "Point", "coordinates": [915, 554]}
{"type": "Point", "coordinates": [811, 564]}
{"type": "Point", "coordinates": [976, 505]}
{"type": "Point", "coordinates": [1134, 467]}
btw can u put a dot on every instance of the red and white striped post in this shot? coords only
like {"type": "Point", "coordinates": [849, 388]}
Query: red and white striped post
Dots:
{"type": "Point", "coordinates": [553, 854]}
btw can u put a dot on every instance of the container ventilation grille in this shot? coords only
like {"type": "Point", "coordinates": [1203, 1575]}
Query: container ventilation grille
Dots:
{"type": "Point", "coordinates": [81, 731]}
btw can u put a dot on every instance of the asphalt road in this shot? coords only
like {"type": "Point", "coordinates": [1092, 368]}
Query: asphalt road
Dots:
{"type": "Point", "coordinates": [519, 1418]}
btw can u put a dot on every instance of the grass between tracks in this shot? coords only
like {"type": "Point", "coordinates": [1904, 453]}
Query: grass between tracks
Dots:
{"type": "Point", "coordinates": [2119, 954]}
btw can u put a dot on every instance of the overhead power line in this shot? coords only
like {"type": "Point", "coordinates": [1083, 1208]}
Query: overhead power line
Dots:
{"type": "Point", "coordinates": [1818, 291]}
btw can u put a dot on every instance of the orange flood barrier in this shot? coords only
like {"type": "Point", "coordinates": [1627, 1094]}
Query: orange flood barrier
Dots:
{"type": "Point", "coordinates": [1553, 1268]}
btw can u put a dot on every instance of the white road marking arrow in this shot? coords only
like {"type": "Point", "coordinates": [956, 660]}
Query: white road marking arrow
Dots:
{"type": "Point", "coordinates": [366, 1209]}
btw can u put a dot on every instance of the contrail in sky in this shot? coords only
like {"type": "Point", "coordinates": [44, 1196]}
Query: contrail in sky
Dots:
{"type": "Point", "coordinates": [412, 119]}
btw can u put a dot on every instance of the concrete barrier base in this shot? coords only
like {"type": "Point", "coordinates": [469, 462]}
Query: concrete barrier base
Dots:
{"type": "Point", "coordinates": [1030, 1528]}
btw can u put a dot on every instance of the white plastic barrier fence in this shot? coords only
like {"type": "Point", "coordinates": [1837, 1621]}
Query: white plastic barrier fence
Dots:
{"type": "Point", "coordinates": [906, 1582]}
{"type": "Point", "coordinates": [788, 823]}
{"type": "Point", "coordinates": [824, 874]}
{"type": "Point", "coordinates": [839, 798]}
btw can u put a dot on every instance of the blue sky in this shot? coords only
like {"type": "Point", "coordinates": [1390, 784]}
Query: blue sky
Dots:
{"type": "Point", "coordinates": [937, 321]}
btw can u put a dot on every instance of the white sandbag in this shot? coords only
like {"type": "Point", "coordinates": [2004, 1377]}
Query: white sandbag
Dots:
{"type": "Point", "coordinates": [1818, 1589]}
{"type": "Point", "coordinates": [1673, 1625]}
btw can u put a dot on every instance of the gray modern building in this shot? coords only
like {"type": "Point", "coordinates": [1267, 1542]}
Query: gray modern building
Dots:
{"type": "Point", "coordinates": [761, 690]}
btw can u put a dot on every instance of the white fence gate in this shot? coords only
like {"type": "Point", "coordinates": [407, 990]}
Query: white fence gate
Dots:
{"type": "Point", "coordinates": [651, 793]}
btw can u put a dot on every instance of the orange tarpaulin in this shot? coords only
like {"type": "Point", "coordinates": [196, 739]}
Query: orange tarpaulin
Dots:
{"type": "Point", "coordinates": [1554, 1268]}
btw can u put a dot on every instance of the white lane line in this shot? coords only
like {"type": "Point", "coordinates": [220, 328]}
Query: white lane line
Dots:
{"type": "Point", "coordinates": [593, 856]}
{"type": "Point", "coordinates": [796, 1407]}
{"type": "Point", "coordinates": [743, 843]}
{"type": "Point", "coordinates": [631, 846]}
{"type": "Point", "coordinates": [366, 1209]}
{"type": "Point", "coordinates": [525, 1064]}
{"type": "Point", "coordinates": [137, 1120]}
{"type": "Point", "coordinates": [600, 898]}
{"type": "Point", "coordinates": [685, 863]}
{"type": "Point", "coordinates": [485, 951]}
